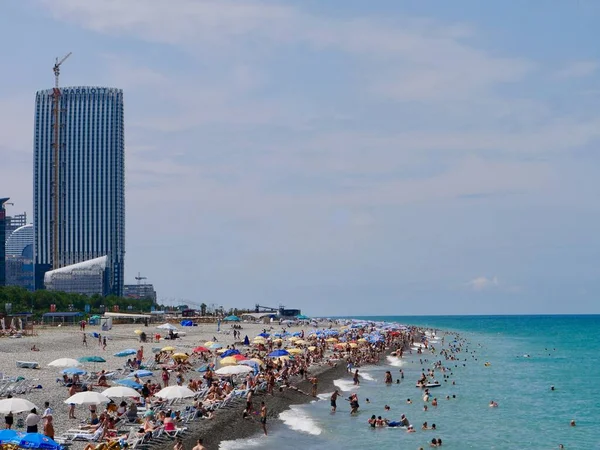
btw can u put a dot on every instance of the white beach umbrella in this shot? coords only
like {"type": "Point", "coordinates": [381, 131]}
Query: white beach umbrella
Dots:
{"type": "Point", "coordinates": [120, 392]}
{"type": "Point", "coordinates": [172, 392]}
{"type": "Point", "coordinates": [88, 398]}
{"type": "Point", "coordinates": [167, 326]}
{"type": "Point", "coordinates": [15, 405]}
{"type": "Point", "coordinates": [64, 362]}
{"type": "Point", "coordinates": [233, 370]}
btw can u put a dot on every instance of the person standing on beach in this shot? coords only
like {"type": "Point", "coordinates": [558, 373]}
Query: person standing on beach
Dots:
{"type": "Point", "coordinates": [32, 421]}
{"type": "Point", "coordinates": [84, 340]}
{"type": "Point", "coordinates": [334, 397]}
{"type": "Point", "coordinates": [263, 416]}
{"type": "Point", "coordinates": [178, 444]}
{"type": "Point", "coordinates": [199, 445]}
{"type": "Point", "coordinates": [356, 379]}
{"type": "Point", "coordinates": [315, 384]}
{"type": "Point", "coordinates": [8, 418]}
{"type": "Point", "coordinates": [165, 377]}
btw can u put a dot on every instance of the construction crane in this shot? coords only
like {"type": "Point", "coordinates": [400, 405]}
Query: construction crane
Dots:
{"type": "Point", "coordinates": [56, 163]}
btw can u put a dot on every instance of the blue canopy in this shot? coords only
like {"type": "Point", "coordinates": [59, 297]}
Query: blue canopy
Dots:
{"type": "Point", "coordinates": [186, 323]}
{"type": "Point", "coordinates": [37, 440]}
{"type": "Point", "coordinates": [74, 371]}
{"type": "Point", "coordinates": [141, 373]}
{"type": "Point", "coordinates": [278, 353]}
{"type": "Point", "coordinates": [129, 383]}
{"type": "Point", "coordinates": [231, 319]}
{"type": "Point", "coordinates": [231, 351]}
{"type": "Point", "coordinates": [126, 352]}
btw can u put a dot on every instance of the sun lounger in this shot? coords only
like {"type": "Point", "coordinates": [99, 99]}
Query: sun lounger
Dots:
{"type": "Point", "coordinates": [28, 365]}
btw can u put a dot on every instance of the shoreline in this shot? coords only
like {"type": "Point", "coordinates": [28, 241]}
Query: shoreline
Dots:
{"type": "Point", "coordinates": [229, 425]}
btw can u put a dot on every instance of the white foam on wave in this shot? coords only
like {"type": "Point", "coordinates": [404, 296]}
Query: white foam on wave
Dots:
{"type": "Point", "coordinates": [299, 420]}
{"type": "Point", "coordinates": [324, 396]}
{"type": "Point", "coordinates": [366, 376]}
{"type": "Point", "coordinates": [394, 361]}
{"type": "Point", "coordinates": [344, 385]}
{"type": "Point", "coordinates": [242, 443]}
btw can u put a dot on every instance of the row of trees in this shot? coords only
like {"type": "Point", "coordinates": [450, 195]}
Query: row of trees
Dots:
{"type": "Point", "coordinates": [38, 302]}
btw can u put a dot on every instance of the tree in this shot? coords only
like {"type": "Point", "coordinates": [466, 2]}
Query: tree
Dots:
{"type": "Point", "coordinates": [203, 307]}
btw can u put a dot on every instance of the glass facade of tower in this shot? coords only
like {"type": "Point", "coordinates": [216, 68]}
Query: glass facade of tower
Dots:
{"type": "Point", "coordinates": [90, 187]}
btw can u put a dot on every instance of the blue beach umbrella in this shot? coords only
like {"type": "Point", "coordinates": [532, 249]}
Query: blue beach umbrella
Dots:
{"type": "Point", "coordinates": [277, 353]}
{"type": "Point", "coordinates": [265, 335]}
{"type": "Point", "coordinates": [10, 437]}
{"type": "Point", "coordinates": [141, 373]}
{"type": "Point", "coordinates": [202, 369]}
{"type": "Point", "coordinates": [126, 352]}
{"type": "Point", "coordinates": [40, 441]}
{"type": "Point", "coordinates": [73, 371]}
{"type": "Point", "coordinates": [129, 383]}
{"type": "Point", "coordinates": [215, 346]}
{"type": "Point", "coordinates": [92, 359]}
{"type": "Point", "coordinates": [231, 351]}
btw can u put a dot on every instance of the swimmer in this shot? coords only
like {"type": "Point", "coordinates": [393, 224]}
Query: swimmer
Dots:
{"type": "Point", "coordinates": [410, 429]}
{"type": "Point", "coordinates": [493, 404]}
{"type": "Point", "coordinates": [386, 407]}
{"type": "Point", "coordinates": [552, 388]}
{"type": "Point", "coordinates": [572, 423]}
{"type": "Point", "coordinates": [409, 401]}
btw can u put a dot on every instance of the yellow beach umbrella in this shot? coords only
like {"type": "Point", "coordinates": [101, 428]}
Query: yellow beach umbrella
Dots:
{"type": "Point", "coordinates": [312, 348]}
{"type": "Point", "coordinates": [293, 338]}
{"type": "Point", "coordinates": [168, 348]}
{"type": "Point", "coordinates": [208, 343]}
{"type": "Point", "coordinates": [331, 340]}
{"type": "Point", "coordinates": [294, 351]}
{"type": "Point", "coordinates": [300, 342]}
{"type": "Point", "coordinates": [228, 361]}
{"type": "Point", "coordinates": [221, 350]}
{"type": "Point", "coordinates": [353, 345]}
{"type": "Point", "coordinates": [180, 356]}
{"type": "Point", "coordinates": [138, 331]}
{"type": "Point", "coordinates": [362, 340]}
{"type": "Point", "coordinates": [277, 340]}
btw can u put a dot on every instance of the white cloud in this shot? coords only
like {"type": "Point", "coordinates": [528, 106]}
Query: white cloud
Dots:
{"type": "Point", "coordinates": [578, 69]}
{"type": "Point", "coordinates": [483, 283]}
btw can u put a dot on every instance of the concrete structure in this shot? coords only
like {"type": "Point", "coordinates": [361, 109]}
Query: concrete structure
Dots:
{"type": "Point", "coordinates": [139, 291]}
{"type": "Point", "coordinates": [88, 277]}
{"type": "Point", "coordinates": [14, 222]}
{"type": "Point", "coordinates": [86, 217]}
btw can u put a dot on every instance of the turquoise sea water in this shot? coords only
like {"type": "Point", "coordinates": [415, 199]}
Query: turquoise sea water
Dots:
{"type": "Point", "coordinates": [563, 351]}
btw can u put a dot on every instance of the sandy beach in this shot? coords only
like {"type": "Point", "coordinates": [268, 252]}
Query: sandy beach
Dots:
{"type": "Point", "coordinates": [66, 341]}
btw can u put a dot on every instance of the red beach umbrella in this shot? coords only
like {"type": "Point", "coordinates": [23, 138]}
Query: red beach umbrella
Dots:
{"type": "Point", "coordinates": [201, 349]}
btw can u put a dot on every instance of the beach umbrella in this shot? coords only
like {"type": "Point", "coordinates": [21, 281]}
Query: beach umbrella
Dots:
{"type": "Point", "coordinates": [215, 345]}
{"type": "Point", "coordinates": [231, 319]}
{"type": "Point", "coordinates": [141, 373]}
{"type": "Point", "coordinates": [120, 392]}
{"type": "Point", "coordinates": [126, 352]}
{"type": "Point", "coordinates": [293, 338]}
{"type": "Point", "coordinates": [173, 392]}
{"type": "Point", "coordinates": [294, 351]}
{"type": "Point", "coordinates": [64, 362]}
{"type": "Point", "coordinates": [312, 348]}
{"type": "Point", "coordinates": [203, 368]}
{"type": "Point", "coordinates": [15, 405]}
{"type": "Point", "coordinates": [230, 352]}
{"type": "Point", "coordinates": [73, 371]}
{"type": "Point", "coordinates": [87, 398]}
{"type": "Point", "coordinates": [209, 343]}
{"type": "Point", "coordinates": [228, 361]}
{"type": "Point", "coordinates": [8, 436]}
{"type": "Point", "coordinates": [168, 348]}
{"type": "Point", "coordinates": [277, 353]}
{"type": "Point", "coordinates": [167, 326]}
{"type": "Point", "coordinates": [239, 357]}
{"type": "Point", "coordinates": [265, 335]}
{"type": "Point", "coordinates": [246, 341]}
{"type": "Point", "coordinates": [259, 340]}
{"type": "Point", "coordinates": [180, 356]}
{"type": "Point", "coordinates": [260, 362]}
{"type": "Point", "coordinates": [92, 359]}
{"type": "Point", "coordinates": [138, 332]}
{"type": "Point", "coordinates": [200, 349]}
{"type": "Point", "coordinates": [221, 351]}
{"type": "Point", "coordinates": [39, 441]}
{"type": "Point", "coordinates": [234, 370]}
{"type": "Point", "coordinates": [129, 383]}
{"type": "Point", "coordinates": [277, 340]}
{"type": "Point", "coordinates": [331, 340]}
{"type": "Point", "coordinates": [300, 342]}
{"type": "Point", "coordinates": [353, 345]}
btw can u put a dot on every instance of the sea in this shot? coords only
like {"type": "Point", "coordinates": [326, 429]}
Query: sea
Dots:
{"type": "Point", "coordinates": [512, 360]}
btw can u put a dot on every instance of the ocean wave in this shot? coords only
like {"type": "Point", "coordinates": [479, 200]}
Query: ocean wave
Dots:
{"type": "Point", "coordinates": [324, 396]}
{"type": "Point", "coordinates": [299, 420]}
{"type": "Point", "coordinates": [394, 361]}
{"type": "Point", "coordinates": [242, 443]}
{"type": "Point", "coordinates": [344, 385]}
{"type": "Point", "coordinates": [366, 376]}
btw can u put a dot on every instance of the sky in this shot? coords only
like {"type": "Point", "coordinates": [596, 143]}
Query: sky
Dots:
{"type": "Point", "coordinates": [342, 157]}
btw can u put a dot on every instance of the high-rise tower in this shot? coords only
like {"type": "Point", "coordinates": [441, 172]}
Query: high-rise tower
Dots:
{"type": "Point", "coordinates": [79, 180]}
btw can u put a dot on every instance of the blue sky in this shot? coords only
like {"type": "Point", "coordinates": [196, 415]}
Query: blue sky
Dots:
{"type": "Point", "coordinates": [345, 157]}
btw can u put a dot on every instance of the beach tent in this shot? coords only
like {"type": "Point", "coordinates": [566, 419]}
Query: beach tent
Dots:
{"type": "Point", "coordinates": [186, 323]}
{"type": "Point", "coordinates": [246, 341]}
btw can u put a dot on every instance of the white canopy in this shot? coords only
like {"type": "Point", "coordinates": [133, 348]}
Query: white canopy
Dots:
{"type": "Point", "coordinates": [64, 362]}
{"type": "Point", "coordinates": [15, 405]}
{"type": "Point", "coordinates": [88, 398]}
{"type": "Point", "coordinates": [172, 392]}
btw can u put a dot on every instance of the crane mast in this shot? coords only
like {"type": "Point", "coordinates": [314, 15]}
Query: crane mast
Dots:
{"type": "Point", "coordinates": [56, 145]}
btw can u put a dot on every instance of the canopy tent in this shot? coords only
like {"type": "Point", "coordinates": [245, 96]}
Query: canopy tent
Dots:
{"type": "Point", "coordinates": [232, 318]}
